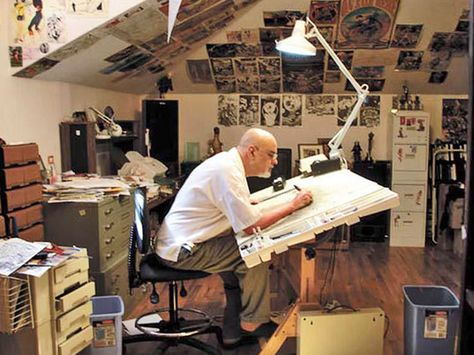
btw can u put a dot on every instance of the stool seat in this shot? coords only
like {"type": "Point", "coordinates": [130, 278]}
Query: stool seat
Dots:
{"type": "Point", "coordinates": [153, 270]}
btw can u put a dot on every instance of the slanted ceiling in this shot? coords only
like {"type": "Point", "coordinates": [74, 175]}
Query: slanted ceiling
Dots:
{"type": "Point", "coordinates": [137, 38]}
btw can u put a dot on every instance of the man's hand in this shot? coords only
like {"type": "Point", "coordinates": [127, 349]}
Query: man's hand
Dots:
{"type": "Point", "coordinates": [303, 199]}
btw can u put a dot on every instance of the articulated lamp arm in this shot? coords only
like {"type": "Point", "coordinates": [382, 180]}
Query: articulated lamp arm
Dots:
{"type": "Point", "coordinates": [362, 92]}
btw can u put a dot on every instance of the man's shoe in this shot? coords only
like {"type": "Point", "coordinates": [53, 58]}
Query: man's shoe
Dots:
{"type": "Point", "coordinates": [246, 339]}
{"type": "Point", "coordinates": [264, 330]}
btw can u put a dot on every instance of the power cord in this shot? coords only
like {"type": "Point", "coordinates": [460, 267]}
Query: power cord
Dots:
{"type": "Point", "coordinates": [387, 321]}
{"type": "Point", "coordinates": [330, 271]}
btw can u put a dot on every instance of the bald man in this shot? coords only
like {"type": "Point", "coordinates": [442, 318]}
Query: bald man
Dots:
{"type": "Point", "coordinates": [214, 204]}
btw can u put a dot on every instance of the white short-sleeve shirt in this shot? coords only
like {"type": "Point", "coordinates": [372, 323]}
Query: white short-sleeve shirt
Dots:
{"type": "Point", "coordinates": [214, 198]}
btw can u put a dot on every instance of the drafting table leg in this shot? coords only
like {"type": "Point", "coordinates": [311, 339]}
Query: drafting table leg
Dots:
{"type": "Point", "coordinates": [307, 289]}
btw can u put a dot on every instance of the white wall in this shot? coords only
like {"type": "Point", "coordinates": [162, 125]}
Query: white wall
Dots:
{"type": "Point", "coordinates": [31, 110]}
{"type": "Point", "coordinates": [198, 117]}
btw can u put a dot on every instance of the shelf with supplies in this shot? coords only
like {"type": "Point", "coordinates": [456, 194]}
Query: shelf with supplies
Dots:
{"type": "Point", "coordinates": [84, 152]}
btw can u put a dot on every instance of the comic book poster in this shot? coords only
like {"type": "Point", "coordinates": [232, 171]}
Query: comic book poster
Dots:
{"type": "Point", "coordinates": [345, 104]}
{"type": "Point", "coordinates": [291, 109]}
{"type": "Point", "coordinates": [270, 110]}
{"type": "Point", "coordinates": [324, 12]}
{"type": "Point", "coordinates": [270, 84]}
{"type": "Point", "coordinates": [455, 118]}
{"type": "Point", "coordinates": [248, 84]}
{"type": "Point", "coordinates": [406, 36]}
{"type": "Point", "coordinates": [320, 105]}
{"type": "Point", "coordinates": [436, 61]}
{"type": "Point", "coordinates": [332, 77]}
{"type": "Point", "coordinates": [227, 110]}
{"type": "Point", "coordinates": [199, 70]}
{"type": "Point", "coordinates": [369, 114]}
{"type": "Point", "coordinates": [225, 84]}
{"type": "Point", "coordinates": [438, 77]}
{"type": "Point", "coordinates": [303, 74]}
{"type": "Point", "coordinates": [366, 23]}
{"type": "Point", "coordinates": [249, 109]}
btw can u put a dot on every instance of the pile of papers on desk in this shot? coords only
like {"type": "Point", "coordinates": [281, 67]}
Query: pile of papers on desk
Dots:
{"type": "Point", "coordinates": [87, 190]}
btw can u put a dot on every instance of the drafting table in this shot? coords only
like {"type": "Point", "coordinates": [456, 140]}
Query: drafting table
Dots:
{"type": "Point", "coordinates": [339, 197]}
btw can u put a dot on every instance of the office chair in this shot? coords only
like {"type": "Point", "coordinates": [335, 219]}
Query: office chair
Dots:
{"type": "Point", "coordinates": [176, 329]}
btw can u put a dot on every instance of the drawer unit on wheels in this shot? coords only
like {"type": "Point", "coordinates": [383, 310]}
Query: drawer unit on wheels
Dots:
{"type": "Point", "coordinates": [61, 308]}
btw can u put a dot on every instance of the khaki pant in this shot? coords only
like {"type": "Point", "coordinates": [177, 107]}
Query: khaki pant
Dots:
{"type": "Point", "coordinates": [247, 289]}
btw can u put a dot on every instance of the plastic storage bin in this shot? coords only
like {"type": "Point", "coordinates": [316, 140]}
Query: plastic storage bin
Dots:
{"type": "Point", "coordinates": [430, 320]}
{"type": "Point", "coordinates": [106, 321]}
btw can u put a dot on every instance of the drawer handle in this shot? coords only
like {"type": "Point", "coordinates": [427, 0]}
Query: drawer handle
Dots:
{"type": "Point", "coordinates": [108, 226]}
{"type": "Point", "coordinates": [109, 255]}
{"type": "Point", "coordinates": [115, 279]}
{"type": "Point", "coordinates": [110, 240]}
{"type": "Point", "coordinates": [108, 211]}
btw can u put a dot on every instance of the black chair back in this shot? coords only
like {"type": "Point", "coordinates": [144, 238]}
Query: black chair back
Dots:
{"type": "Point", "coordinates": [139, 237]}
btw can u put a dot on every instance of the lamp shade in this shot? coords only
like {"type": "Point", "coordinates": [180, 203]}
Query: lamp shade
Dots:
{"type": "Point", "coordinates": [296, 43]}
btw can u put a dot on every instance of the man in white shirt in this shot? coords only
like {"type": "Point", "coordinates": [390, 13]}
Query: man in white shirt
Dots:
{"type": "Point", "coordinates": [213, 205]}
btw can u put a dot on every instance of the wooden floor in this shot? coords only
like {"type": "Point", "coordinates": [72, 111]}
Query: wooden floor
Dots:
{"type": "Point", "coordinates": [368, 275]}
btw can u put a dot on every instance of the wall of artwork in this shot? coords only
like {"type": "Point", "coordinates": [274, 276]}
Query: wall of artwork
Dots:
{"type": "Point", "coordinates": [207, 111]}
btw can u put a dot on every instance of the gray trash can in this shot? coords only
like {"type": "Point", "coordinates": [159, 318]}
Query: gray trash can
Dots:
{"type": "Point", "coordinates": [430, 320]}
{"type": "Point", "coordinates": [106, 321]}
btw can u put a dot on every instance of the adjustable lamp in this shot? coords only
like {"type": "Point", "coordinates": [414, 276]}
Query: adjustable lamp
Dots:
{"type": "Point", "coordinates": [298, 44]}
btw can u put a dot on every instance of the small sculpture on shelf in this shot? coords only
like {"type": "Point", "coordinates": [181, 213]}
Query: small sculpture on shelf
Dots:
{"type": "Point", "coordinates": [369, 148]}
{"type": "Point", "coordinates": [215, 144]}
{"type": "Point", "coordinates": [357, 151]}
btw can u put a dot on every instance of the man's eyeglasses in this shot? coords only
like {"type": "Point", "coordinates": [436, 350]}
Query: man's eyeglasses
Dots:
{"type": "Point", "coordinates": [271, 154]}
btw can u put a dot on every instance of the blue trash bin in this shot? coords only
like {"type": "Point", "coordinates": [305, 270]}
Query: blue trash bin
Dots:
{"type": "Point", "coordinates": [431, 316]}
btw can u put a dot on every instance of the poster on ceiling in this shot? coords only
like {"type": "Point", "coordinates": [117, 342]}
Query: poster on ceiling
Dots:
{"type": "Point", "coordinates": [366, 24]}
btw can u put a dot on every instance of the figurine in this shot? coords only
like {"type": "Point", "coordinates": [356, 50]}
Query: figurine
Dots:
{"type": "Point", "coordinates": [369, 148]}
{"type": "Point", "coordinates": [215, 145]}
{"type": "Point", "coordinates": [357, 150]}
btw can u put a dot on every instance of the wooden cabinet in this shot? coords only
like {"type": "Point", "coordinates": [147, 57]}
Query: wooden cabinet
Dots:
{"type": "Point", "coordinates": [81, 152]}
{"type": "Point", "coordinates": [409, 178]}
{"type": "Point", "coordinates": [61, 307]}
{"type": "Point", "coordinates": [103, 228]}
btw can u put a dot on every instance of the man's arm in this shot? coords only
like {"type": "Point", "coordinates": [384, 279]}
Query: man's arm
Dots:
{"type": "Point", "coordinates": [301, 200]}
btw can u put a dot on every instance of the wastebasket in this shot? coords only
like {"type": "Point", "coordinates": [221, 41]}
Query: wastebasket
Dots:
{"type": "Point", "coordinates": [430, 320]}
{"type": "Point", "coordinates": [106, 321]}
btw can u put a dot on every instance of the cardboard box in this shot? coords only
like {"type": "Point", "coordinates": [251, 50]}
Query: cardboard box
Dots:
{"type": "Point", "coordinates": [20, 176]}
{"type": "Point", "coordinates": [33, 234]}
{"type": "Point", "coordinates": [21, 197]}
{"type": "Point", "coordinates": [25, 217]}
{"type": "Point", "coordinates": [18, 154]}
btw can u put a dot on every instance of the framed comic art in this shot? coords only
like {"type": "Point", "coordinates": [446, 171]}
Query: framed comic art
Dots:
{"type": "Point", "coordinates": [307, 150]}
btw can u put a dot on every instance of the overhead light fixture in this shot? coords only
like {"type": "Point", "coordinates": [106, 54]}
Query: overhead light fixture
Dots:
{"type": "Point", "coordinates": [298, 44]}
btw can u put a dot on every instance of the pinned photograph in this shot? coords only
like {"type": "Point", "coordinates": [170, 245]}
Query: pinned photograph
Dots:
{"type": "Point", "coordinates": [455, 119]}
{"type": "Point", "coordinates": [409, 60]}
{"type": "Point", "coordinates": [249, 111]}
{"type": "Point", "coordinates": [199, 71]}
{"type": "Point", "coordinates": [374, 84]}
{"type": "Point", "coordinates": [245, 36]}
{"type": "Point", "coordinates": [320, 105]}
{"type": "Point", "coordinates": [308, 150]}
{"type": "Point", "coordinates": [324, 12]}
{"type": "Point", "coordinates": [227, 110]}
{"type": "Point", "coordinates": [345, 104]}
{"type": "Point", "coordinates": [332, 77]}
{"type": "Point", "coordinates": [368, 72]}
{"type": "Point", "coordinates": [406, 36]}
{"type": "Point", "coordinates": [270, 110]}
{"type": "Point", "coordinates": [248, 50]}
{"type": "Point", "coordinates": [222, 67]}
{"type": "Point", "coordinates": [439, 42]}
{"type": "Point", "coordinates": [344, 56]}
{"type": "Point", "coordinates": [291, 110]}
{"type": "Point", "coordinates": [438, 77]}
{"type": "Point", "coordinates": [463, 26]}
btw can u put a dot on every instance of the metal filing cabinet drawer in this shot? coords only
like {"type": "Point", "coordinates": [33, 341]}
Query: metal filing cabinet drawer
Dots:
{"type": "Point", "coordinates": [103, 228]}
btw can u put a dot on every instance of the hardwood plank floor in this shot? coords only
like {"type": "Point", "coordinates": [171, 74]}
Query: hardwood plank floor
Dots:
{"type": "Point", "coordinates": [368, 275]}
